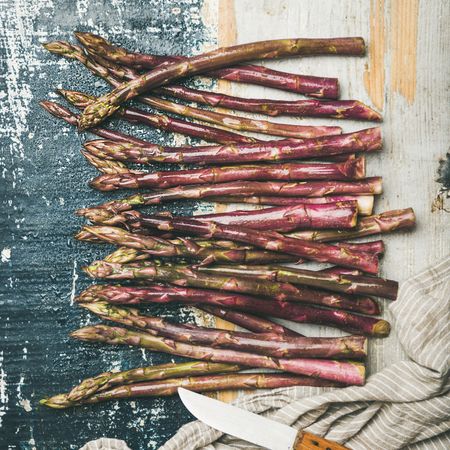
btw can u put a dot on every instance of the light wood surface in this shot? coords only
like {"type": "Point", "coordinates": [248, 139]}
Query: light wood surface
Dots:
{"type": "Point", "coordinates": [227, 35]}
{"type": "Point", "coordinates": [404, 75]}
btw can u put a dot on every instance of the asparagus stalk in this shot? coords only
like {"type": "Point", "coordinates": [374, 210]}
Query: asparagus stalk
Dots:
{"type": "Point", "coordinates": [154, 120]}
{"type": "Point", "coordinates": [228, 121]}
{"type": "Point", "coordinates": [307, 85]}
{"type": "Point", "coordinates": [131, 295]}
{"type": "Point", "coordinates": [337, 371]}
{"type": "Point", "coordinates": [124, 255]}
{"type": "Point", "coordinates": [365, 202]}
{"type": "Point", "coordinates": [267, 240]}
{"type": "Point", "coordinates": [352, 169]}
{"type": "Point", "coordinates": [108, 380]}
{"type": "Point", "coordinates": [271, 151]}
{"type": "Point", "coordinates": [275, 345]}
{"type": "Point", "coordinates": [375, 247]}
{"type": "Point", "coordinates": [248, 321]}
{"type": "Point", "coordinates": [337, 109]}
{"type": "Point", "coordinates": [289, 189]}
{"type": "Point", "coordinates": [367, 226]}
{"type": "Point", "coordinates": [81, 100]}
{"type": "Point", "coordinates": [349, 284]}
{"type": "Point", "coordinates": [186, 276]}
{"type": "Point", "coordinates": [207, 383]}
{"type": "Point", "coordinates": [332, 279]}
{"type": "Point", "coordinates": [63, 113]}
{"type": "Point", "coordinates": [208, 243]}
{"type": "Point", "coordinates": [182, 247]}
{"type": "Point", "coordinates": [217, 59]}
{"type": "Point", "coordinates": [340, 215]}
{"type": "Point", "coordinates": [372, 247]}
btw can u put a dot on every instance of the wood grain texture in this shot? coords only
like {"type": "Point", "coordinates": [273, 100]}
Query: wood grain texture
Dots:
{"type": "Point", "coordinates": [404, 23]}
{"type": "Point", "coordinates": [374, 76]}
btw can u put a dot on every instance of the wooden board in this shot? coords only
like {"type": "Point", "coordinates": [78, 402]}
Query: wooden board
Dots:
{"type": "Point", "coordinates": [43, 178]}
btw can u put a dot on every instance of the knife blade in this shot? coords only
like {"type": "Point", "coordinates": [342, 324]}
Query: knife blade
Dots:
{"type": "Point", "coordinates": [251, 427]}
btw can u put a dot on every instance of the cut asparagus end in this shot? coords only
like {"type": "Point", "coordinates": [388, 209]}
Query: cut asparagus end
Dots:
{"type": "Point", "coordinates": [365, 204]}
{"type": "Point", "coordinates": [360, 167]}
{"type": "Point", "coordinates": [362, 371]}
{"type": "Point", "coordinates": [377, 185]}
{"type": "Point", "coordinates": [354, 218]}
{"type": "Point", "coordinates": [366, 346]}
{"type": "Point", "coordinates": [365, 112]}
{"type": "Point", "coordinates": [372, 114]}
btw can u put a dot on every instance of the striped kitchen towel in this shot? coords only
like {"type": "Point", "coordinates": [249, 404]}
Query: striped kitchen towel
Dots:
{"type": "Point", "coordinates": [405, 406]}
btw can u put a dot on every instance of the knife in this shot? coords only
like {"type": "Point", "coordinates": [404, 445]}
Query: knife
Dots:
{"type": "Point", "coordinates": [251, 427]}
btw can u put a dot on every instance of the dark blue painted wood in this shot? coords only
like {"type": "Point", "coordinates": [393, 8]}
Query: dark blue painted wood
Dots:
{"type": "Point", "coordinates": [43, 180]}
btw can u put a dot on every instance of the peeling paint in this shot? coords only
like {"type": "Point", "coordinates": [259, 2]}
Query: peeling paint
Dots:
{"type": "Point", "coordinates": [6, 255]}
{"type": "Point", "coordinates": [74, 282]}
{"type": "Point", "coordinates": [3, 390]}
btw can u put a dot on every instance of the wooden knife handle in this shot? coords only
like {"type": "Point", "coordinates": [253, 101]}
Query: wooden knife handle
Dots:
{"type": "Point", "coordinates": [308, 441]}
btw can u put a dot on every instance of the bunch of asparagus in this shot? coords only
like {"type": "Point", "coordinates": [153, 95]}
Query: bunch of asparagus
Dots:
{"type": "Point", "coordinates": [243, 266]}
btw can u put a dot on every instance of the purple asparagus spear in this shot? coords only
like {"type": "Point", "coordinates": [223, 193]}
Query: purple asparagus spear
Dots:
{"type": "Point", "coordinates": [268, 344]}
{"type": "Point", "coordinates": [186, 276]}
{"type": "Point", "coordinates": [366, 140]}
{"type": "Point", "coordinates": [302, 84]}
{"type": "Point", "coordinates": [352, 169]}
{"type": "Point", "coordinates": [248, 321]}
{"type": "Point", "coordinates": [365, 202]}
{"type": "Point", "coordinates": [340, 215]}
{"type": "Point", "coordinates": [264, 239]}
{"type": "Point", "coordinates": [300, 313]}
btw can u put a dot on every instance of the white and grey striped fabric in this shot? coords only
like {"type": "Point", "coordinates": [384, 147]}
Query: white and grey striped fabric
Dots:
{"type": "Point", "coordinates": [406, 405]}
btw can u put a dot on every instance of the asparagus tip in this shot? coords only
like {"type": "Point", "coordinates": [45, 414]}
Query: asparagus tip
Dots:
{"type": "Point", "coordinates": [382, 328]}
{"type": "Point", "coordinates": [97, 307]}
{"type": "Point", "coordinates": [85, 38]}
{"type": "Point", "coordinates": [57, 401]}
{"type": "Point", "coordinates": [91, 293]}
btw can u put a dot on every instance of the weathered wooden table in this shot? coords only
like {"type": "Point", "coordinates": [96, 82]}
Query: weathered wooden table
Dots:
{"type": "Point", "coordinates": [44, 178]}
